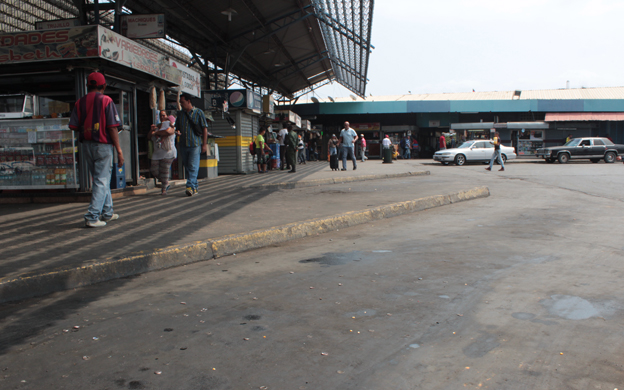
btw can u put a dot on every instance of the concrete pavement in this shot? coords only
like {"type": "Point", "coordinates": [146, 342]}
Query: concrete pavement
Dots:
{"type": "Point", "coordinates": [46, 248]}
{"type": "Point", "coordinates": [519, 290]}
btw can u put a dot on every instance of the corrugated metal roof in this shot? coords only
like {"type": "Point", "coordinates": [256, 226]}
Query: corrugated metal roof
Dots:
{"type": "Point", "coordinates": [580, 93]}
{"type": "Point", "coordinates": [545, 94]}
{"type": "Point", "coordinates": [584, 116]}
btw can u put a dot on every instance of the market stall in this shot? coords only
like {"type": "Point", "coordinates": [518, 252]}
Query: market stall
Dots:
{"type": "Point", "coordinates": [236, 114]}
{"type": "Point", "coordinates": [46, 71]}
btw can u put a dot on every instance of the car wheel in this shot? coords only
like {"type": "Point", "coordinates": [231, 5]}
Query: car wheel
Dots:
{"type": "Point", "coordinates": [563, 158]}
{"type": "Point", "coordinates": [595, 160]}
{"type": "Point", "coordinates": [609, 157]}
{"type": "Point", "coordinates": [460, 159]}
{"type": "Point", "coordinates": [504, 157]}
{"type": "Point", "coordinates": [550, 160]}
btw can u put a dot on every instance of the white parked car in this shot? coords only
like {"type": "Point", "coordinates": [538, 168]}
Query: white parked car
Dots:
{"type": "Point", "coordinates": [473, 151]}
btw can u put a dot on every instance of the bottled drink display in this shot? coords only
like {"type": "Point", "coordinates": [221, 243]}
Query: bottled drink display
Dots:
{"type": "Point", "coordinates": [37, 153]}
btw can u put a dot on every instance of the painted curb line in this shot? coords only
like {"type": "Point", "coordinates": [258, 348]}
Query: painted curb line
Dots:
{"type": "Point", "coordinates": [331, 180]}
{"type": "Point", "coordinates": [37, 284]}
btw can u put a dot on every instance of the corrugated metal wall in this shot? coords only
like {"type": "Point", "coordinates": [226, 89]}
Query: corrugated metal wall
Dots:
{"type": "Point", "coordinates": [234, 156]}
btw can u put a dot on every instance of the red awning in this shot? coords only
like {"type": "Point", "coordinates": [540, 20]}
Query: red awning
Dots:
{"type": "Point", "coordinates": [584, 116]}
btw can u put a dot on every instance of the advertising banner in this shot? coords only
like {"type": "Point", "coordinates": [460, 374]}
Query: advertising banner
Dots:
{"type": "Point", "coordinates": [365, 126]}
{"type": "Point", "coordinates": [191, 80]}
{"type": "Point", "coordinates": [117, 48]}
{"type": "Point", "coordinates": [143, 26]}
{"type": "Point", "coordinates": [235, 98]}
{"type": "Point", "coordinates": [58, 44]}
{"type": "Point", "coordinates": [84, 42]}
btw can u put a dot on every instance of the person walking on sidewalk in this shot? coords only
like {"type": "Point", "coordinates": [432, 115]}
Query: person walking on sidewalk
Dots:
{"type": "Point", "coordinates": [348, 138]}
{"type": "Point", "coordinates": [415, 148]}
{"type": "Point", "coordinates": [497, 153]}
{"type": "Point", "coordinates": [406, 146]}
{"type": "Point", "coordinates": [292, 143]}
{"type": "Point", "coordinates": [332, 148]}
{"type": "Point", "coordinates": [363, 148]}
{"type": "Point", "coordinates": [281, 136]}
{"type": "Point", "coordinates": [260, 155]}
{"type": "Point", "coordinates": [164, 149]}
{"type": "Point", "coordinates": [96, 119]}
{"type": "Point", "coordinates": [301, 158]}
{"type": "Point", "coordinates": [442, 142]}
{"type": "Point", "coordinates": [191, 144]}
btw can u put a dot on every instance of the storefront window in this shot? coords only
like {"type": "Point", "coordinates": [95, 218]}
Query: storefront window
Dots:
{"type": "Point", "coordinates": [529, 142]}
{"type": "Point", "coordinates": [52, 108]}
{"type": "Point", "coordinates": [11, 103]}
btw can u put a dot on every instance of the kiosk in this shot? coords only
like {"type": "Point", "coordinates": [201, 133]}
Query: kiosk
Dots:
{"type": "Point", "coordinates": [45, 71]}
{"type": "Point", "coordinates": [237, 120]}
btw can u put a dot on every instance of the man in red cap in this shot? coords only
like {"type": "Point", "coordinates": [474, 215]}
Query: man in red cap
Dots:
{"type": "Point", "coordinates": [96, 119]}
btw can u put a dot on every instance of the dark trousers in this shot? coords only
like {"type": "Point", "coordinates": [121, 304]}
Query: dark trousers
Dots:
{"type": "Point", "coordinates": [291, 158]}
{"type": "Point", "coordinates": [284, 163]}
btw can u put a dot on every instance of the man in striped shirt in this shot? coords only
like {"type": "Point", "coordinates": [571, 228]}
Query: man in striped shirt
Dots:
{"type": "Point", "coordinates": [96, 119]}
{"type": "Point", "coordinates": [191, 144]}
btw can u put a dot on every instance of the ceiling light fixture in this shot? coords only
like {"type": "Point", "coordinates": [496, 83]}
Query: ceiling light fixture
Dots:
{"type": "Point", "coordinates": [229, 12]}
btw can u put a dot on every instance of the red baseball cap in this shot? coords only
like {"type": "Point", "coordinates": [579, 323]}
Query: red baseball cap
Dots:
{"type": "Point", "coordinates": [96, 79]}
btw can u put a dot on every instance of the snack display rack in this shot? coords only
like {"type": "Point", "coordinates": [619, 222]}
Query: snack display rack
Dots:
{"type": "Point", "coordinates": [37, 154]}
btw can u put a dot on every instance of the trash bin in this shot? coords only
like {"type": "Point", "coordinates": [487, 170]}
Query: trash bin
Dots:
{"type": "Point", "coordinates": [387, 155]}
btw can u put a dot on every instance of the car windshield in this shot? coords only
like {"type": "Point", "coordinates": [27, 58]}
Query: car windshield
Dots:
{"type": "Point", "coordinates": [573, 142]}
{"type": "Point", "coordinates": [466, 145]}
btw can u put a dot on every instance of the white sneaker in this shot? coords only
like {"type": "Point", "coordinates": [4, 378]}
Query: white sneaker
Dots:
{"type": "Point", "coordinates": [112, 218]}
{"type": "Point", "coordinates": [95, 224]}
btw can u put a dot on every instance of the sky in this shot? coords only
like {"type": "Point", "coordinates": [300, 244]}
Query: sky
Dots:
{"type": "Point", "coordinates": [441, 46]}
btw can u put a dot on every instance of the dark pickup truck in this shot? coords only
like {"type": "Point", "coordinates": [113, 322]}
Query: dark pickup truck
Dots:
{"type": "Point", "coordinates": [588, 148]}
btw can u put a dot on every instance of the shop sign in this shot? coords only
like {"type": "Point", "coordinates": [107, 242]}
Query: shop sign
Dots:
{"type": "Point", "coordinates": [297, 121]}
{"type": "Point", "coordinates": [268, 105]}
{"type": "Point", "coordinates": [191, 80]}
{"type": "Point", "coordinates": [365, 126]}
{"type": "Point", "coordinates": [117, 48]}
{"type": "Point", "coordinates": [434, 123]}
{"type": "Point", "coordinates": [254, 101]}
{"type": "Point", "coordinates": [82, 42]}
{"type": "Point", "coordinates": [235, 98]}
{"type": "Point", "coordinates": [47, 45]}
{"type": "Point", "coordinates": [143, 26]}
{"type": "Point", "coordinates": [286, 115]}
{"type": "Point", "coordinates": [59, 23]}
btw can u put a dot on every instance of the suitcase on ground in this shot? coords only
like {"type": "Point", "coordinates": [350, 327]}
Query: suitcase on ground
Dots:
{"type": "Point", "coordinates": [333, 162]}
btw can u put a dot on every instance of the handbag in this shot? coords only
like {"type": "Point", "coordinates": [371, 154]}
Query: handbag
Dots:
{"type": "Point", "coordinates": [194, 126]}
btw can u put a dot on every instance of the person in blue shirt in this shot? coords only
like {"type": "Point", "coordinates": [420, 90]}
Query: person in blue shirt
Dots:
{"type": "Point", "coordinates": [348, 137]}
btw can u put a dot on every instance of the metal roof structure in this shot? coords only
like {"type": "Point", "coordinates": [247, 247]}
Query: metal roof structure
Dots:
{"type": "Point", "coordinates": [583, 116]}
{"type": "Point", "coordinates": [289, 47]}
{"type": "Point", "coordinates": [347, 31]}
{"type": "Point", "coordinates": [606, 93]}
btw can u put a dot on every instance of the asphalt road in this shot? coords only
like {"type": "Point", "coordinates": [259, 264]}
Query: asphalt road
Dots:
{"type": "Point", "coordinates": [520, 290]}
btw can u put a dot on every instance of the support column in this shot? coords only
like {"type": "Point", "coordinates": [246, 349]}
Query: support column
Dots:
{"type": "Point", "coordinates": [81, 90]}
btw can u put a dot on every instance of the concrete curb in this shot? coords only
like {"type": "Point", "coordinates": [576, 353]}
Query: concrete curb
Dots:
{"type": "Point", "coordinates": [37, 284]}
{"type": "Point", "coordinates": [332, 180]}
